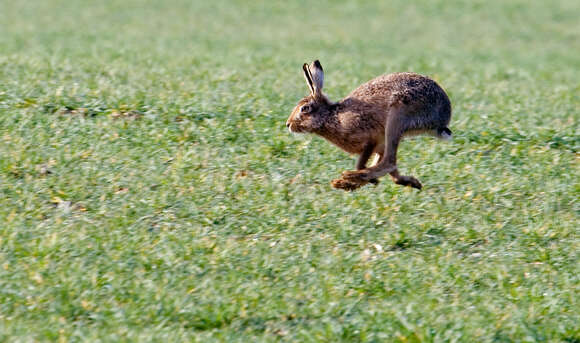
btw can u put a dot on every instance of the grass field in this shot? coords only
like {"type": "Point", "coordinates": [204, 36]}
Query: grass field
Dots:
{"type": "Point", "coordinates": [149, 189]}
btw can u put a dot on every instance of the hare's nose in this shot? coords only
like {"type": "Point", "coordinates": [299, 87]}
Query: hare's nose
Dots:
{"type": "Point", "coordinates": [287, 124]}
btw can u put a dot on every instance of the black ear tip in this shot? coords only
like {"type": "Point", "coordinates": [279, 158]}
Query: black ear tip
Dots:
{"type": "Point", "coordinates": [317, 64]}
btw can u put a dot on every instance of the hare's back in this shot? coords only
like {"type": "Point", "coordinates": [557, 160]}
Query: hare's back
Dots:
{"type": "Point", "coordinates": [407, 89]}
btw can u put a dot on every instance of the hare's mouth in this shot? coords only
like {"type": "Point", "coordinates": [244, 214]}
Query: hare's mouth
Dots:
{"type": "Point", "coordinates": [293, 128]}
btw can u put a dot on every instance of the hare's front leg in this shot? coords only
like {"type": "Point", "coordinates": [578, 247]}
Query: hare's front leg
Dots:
{"type": "Point", "coordinates": [364, 158]}
{"type": "Point", "coordinates": [388, 165]}
{"type": "Point", "coordinates": [405, 180]}
{"type": "Point", "coordinates": [360, 164]}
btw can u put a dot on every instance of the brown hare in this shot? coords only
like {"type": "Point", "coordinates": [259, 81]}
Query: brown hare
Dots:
{"type": "Point", "coordinates": [373, 119]}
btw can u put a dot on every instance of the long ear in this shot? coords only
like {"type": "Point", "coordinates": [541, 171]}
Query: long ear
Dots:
{"type": "Point", "coordinates": [317, 76]}
{"type": "Point", "coordinates": [308, 77]}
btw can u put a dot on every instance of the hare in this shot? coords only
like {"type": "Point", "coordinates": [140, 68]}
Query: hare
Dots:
{"type": "Point", "coordinates": [373, 119]}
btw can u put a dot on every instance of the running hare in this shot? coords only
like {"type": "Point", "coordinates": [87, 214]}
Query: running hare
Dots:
{"type": "Point", "coordinates": [372, 120]}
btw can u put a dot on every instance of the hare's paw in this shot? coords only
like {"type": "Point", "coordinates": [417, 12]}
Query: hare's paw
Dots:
{"type": "Point", "coordinates": [359, 176]}
{"type": "Point", "coordinates": [345, 184]}
{"type": "Point", "coordinates": [409, 181]}
{"type": "Point", "coordinates": [415, 183]}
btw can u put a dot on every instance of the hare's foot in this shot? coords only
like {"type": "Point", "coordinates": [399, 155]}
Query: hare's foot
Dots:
{"type": "Point", "coordinates": [407, 181]}
{"type": "Point", "coordinates": [359, 176]}
{"type": "Point", "coordinates": [346, 185]}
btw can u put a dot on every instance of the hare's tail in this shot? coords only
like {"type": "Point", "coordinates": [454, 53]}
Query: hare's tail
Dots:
{"type": "Point", "coordinates": [444, 133]}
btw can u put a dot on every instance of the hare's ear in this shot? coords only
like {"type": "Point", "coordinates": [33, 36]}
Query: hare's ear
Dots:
{"type": "Point", "coordinates": [317, 76]}
{"type": "Point", "coordinates": [308, 77]}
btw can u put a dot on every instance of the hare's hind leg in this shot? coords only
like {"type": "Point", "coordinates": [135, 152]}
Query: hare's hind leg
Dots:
{"type": "Point", "coordinates": [394, 131]}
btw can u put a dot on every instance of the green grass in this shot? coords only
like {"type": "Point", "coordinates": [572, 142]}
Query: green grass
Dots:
{"type": "Point", "coordinates": [149, 190]}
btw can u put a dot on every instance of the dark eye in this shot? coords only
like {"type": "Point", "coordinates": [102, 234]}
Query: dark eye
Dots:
{"type": "Point", "coordinates": [305, 109]}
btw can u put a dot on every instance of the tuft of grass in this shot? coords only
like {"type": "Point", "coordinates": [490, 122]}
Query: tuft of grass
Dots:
{"type": "Point", "coordinates": [149, 189]}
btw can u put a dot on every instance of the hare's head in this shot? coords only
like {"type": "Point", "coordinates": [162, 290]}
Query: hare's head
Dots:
{"type": "Point", "coordinates": [313, 111]}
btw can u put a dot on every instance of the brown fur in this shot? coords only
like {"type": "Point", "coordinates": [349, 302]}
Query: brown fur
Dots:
{"type": "Point", "coordinates": [373, 119]}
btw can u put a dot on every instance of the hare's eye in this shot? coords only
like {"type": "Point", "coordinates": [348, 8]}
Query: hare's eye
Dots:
{"type": "Point", "coordinates": [305, 109]}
